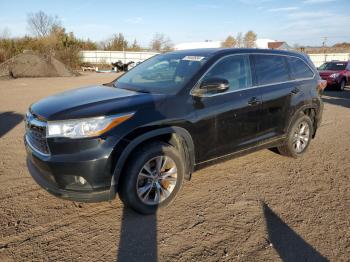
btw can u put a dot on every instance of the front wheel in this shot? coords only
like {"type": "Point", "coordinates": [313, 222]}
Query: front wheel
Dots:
{"type": "Point", "coordinates": [342, 85]}
{"type": "Point", "coordinates": [153, 176]}
{"type": "Point", "coordinates": [299, 137]}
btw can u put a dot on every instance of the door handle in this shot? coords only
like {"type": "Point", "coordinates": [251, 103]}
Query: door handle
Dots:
{"type": "Point", "coordinates": [253, 101]}
{"type": "Point", "coordinates": [295, 91]}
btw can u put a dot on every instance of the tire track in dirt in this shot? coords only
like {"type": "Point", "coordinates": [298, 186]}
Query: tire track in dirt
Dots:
{"type": "Point", "coordinates": [39, 231]}
{"type": "Point", "coordinates": [216, 217]}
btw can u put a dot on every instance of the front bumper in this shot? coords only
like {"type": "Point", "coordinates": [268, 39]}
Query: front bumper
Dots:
{"type": "Point", "coordinates": [332, 82]}
{"type": "Point", "coordinates": [56, 174]}
{"type": "Point", "coordinates": [41, 178]}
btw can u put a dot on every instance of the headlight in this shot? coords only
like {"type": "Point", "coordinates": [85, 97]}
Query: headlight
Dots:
{"type": "Point", "coordinates": [85, 127]}
{"type": "Point", "coordinates": [335, 75]}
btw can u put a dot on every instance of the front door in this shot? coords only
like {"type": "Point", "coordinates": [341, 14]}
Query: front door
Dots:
{"type": "Point", "coordinates": [235, 113]}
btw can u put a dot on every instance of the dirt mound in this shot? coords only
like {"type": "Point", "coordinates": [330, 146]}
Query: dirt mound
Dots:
{"type": "Point", "coordinates": [33, 65]}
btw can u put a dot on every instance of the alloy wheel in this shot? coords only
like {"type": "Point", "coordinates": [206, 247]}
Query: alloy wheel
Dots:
{"type": "Point", "coordinates": [301, 137]}
{"type": "Point", "coordinates": [156, 180]}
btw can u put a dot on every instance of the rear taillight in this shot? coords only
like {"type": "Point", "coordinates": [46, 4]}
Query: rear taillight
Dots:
{"type": "Point", "coordinates": [321, 85]}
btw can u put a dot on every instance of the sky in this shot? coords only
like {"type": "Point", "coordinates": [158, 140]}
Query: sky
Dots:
{"type": "Point", "coordinates": [303, 22]}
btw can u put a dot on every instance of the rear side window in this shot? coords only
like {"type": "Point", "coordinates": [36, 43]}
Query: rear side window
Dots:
{"type": "Point", "coordinates": [270, 69]}
{"type": "Point", "coordinates": [235, 69]}
{"type": "Point", "coordinates": [299, 69]}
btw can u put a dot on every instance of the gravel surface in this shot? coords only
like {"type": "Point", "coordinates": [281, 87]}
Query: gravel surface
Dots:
{"type": "Point", "coordinates": [260, 207]}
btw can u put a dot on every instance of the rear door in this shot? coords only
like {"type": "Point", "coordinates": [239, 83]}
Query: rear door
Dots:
{"type": "Point", "coordinates": [276, 89]}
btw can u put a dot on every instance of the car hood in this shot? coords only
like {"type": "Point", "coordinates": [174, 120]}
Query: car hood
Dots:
{"type": "Point", "coordinates": [92, 101]}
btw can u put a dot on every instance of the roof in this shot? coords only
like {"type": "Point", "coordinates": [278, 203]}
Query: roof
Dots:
{"type": "Point", "coordinates": [227, 51]}
{"type": "Point", "coordinates": [337, 62]}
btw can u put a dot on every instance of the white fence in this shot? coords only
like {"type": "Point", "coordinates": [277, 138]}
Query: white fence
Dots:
{"type": "Point", "coordinates": [108, 57]}
{"type": "Point", "coordinates": [319, 59]}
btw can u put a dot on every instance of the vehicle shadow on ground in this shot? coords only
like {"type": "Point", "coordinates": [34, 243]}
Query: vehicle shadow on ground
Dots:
{"type": "Point", "coordinates": [337, 98]}
{"type": "Point", "coordinates": [288, 244]}
{"type": "Point", "coordinates": [138, 237]}
{"type": "Point", "coordinates": [9, 120]}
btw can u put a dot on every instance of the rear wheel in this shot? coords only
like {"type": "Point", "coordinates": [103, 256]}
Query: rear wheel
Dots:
{"type": "Point", "coordinates": [153, 176]}
{"type": "Point", "coordinates": [299, 137]}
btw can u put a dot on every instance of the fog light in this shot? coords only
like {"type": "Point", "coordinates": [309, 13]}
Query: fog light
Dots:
{"type": "Point", "coordinates": [80, 180]}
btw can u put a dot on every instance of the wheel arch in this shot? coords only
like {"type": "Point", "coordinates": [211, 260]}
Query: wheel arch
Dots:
{"type": "Point", "coordinates": [309, 110]}
{"type": "Point", "coordinates": [173, 135]}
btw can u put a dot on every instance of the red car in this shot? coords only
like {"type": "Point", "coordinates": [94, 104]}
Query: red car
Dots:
{"type": "Point", "coordinates": [336, 73]}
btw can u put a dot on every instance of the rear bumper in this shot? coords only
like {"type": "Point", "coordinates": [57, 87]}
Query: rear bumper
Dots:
{"type": "Point", "coordinates": [318, 118]}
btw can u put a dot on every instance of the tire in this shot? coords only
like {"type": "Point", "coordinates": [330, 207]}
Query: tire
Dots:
{"type": "Point", "coordinates": [290, 147]}
{"type": "Point", "coordinates": [342, 85]}
{"type": "Point", "coordinates": [142, 183]}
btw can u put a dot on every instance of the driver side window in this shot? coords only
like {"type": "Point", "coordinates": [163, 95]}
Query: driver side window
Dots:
{"type": "Point", "coordinates": [235, 69]}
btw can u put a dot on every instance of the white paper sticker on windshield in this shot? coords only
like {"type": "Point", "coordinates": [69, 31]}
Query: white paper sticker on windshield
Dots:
{"type": "Point", "coordinates": [193, 58]}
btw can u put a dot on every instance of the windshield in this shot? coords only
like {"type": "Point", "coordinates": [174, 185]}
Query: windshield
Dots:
{"type": "Point", "coordinates": [333, 66]}
{"type": "Point", "coordinates": [165, 73]}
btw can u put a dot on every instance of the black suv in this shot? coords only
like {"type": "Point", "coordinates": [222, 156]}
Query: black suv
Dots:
{"type": "Point", "coordinates": [151, 128]}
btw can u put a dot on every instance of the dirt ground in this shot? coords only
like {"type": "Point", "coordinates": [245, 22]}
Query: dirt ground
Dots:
{"type": "Point", "coordinates": [260, 207]}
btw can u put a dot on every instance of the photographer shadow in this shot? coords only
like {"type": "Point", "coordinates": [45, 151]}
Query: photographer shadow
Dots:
{"type": "Point", "coordinates": [8, 121]}
{"type": "Point", "coordinates": [138, 237]}
{"type": "Point", "coordinates": [288, 244]}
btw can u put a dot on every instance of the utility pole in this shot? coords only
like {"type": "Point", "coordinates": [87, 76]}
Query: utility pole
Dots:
{"type": "Point", "coordinates": [324, 47]}
{"type": "Point", "coordinates": [124, 52]}
{"type": "Point", "coordinates": [324, 43]}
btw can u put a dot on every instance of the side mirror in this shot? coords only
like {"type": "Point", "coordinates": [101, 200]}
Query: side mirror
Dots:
{"type": "Point", "coordinates": [213, 86]}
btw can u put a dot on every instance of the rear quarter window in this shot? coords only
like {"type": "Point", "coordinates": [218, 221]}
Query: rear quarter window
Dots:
{"type": "Point", "coordinates": [270, 69]}
{"type": "Point", "coordinates": [298, 68]}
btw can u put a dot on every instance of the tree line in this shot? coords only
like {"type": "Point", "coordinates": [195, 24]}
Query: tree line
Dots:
{"type": "Point", "coordinates": [247, 40]}
{"type": "Point", "coordinates": [49, 37]}
{"type": "Point", "coordinates": [117, 42]}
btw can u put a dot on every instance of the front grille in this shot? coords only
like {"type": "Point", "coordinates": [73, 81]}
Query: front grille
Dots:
{"type": "Point", "coordinates": [36, 134]}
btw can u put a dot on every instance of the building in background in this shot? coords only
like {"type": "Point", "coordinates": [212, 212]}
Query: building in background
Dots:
{"type": "Point", "coordinates": [272, 44]}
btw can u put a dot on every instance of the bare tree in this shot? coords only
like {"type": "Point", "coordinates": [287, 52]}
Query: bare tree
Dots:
{"type": "Point", "coordinates": [41, 24]}
{"type": "Point", "coordinates": [135, 46]}
{"type": "Point", "coordinates": [249, 39]}
{"type": "Point", "coordinates": [117, 42]}
{"type": "Point", "coordinates": [5, 33]}
{"type": "Point", "coordinates": [229, 42]}
{"type": "Point", "coordinates": [239, 40]}
{"type": "Point", "coordinates": [161, 43]}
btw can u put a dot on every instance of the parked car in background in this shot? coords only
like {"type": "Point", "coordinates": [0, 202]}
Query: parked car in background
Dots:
{"type": "Point", "coordinates": [336, 73]}
{"type": "Point", "coordinates": [169, 116]}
